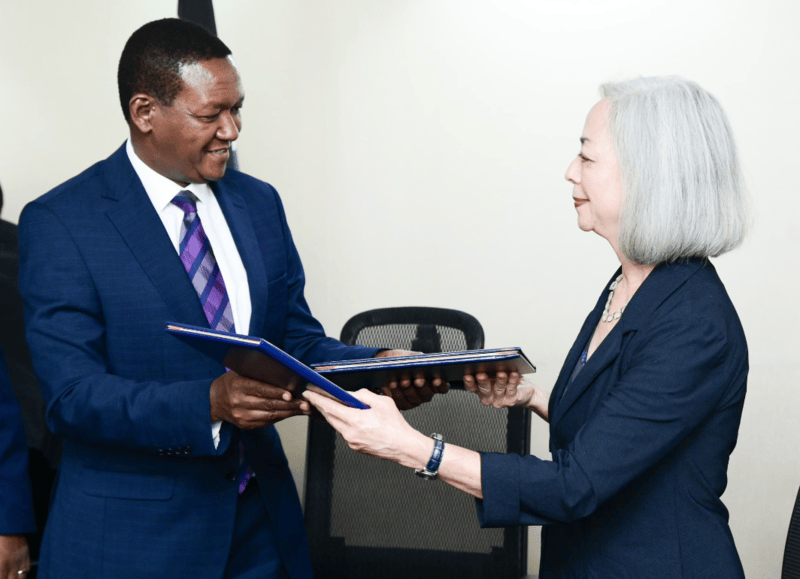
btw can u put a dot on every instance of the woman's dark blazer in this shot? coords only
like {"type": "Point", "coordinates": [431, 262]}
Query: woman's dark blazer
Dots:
{"type": "Point", "coordinates": [640, 441]}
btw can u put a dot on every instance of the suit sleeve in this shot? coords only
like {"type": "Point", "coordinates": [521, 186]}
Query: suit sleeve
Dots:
{"type": "Point", "coordinates": [16, 508]}
{"type": "Point", "coordinates": [681, 374]}
{"type": "Point", "coordinates": [65, 329]}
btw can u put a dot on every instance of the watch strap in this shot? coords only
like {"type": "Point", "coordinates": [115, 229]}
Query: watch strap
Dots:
{"type": "Point", "coordinates": [432, 468]}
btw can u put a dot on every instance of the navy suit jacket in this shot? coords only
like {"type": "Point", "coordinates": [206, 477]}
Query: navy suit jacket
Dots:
{"type": "Point", "coordinates": [142, 492]}
{"type": "Point", "coordinates": [16, 508]}
{"type": "Point", "coordinates": [640, 441]}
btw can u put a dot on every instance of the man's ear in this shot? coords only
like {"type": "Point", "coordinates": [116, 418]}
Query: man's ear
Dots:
{"type": "Point", "coordinates": [142, 108]}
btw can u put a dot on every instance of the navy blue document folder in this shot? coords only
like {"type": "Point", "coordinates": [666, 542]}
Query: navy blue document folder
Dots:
{"type": "Point", "coordinates": [258, 359]}
{"type": "Point", "coordinates": [374, 373]}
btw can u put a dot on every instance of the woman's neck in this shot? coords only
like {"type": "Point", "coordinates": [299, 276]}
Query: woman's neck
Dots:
{"type": "Point", "coordinates": [633, 276]}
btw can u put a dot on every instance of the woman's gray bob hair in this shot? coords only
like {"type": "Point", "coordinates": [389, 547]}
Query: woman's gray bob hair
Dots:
{"type": "Point", "coordinates": [684, 191]}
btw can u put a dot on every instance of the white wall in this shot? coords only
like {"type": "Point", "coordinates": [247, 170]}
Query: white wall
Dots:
{"type": "Point", "coordinates": [420, 148]}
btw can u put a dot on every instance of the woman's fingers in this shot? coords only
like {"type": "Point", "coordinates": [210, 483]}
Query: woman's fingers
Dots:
{"type": "Point", "coordinates": [499, 390]}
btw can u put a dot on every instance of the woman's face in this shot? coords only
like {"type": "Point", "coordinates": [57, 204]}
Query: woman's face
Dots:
{"type": "Point", "coordinates": [597, 184]}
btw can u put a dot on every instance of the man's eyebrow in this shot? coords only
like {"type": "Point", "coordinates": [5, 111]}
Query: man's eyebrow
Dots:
{"type": "Point", "coordinates": [583, 140]}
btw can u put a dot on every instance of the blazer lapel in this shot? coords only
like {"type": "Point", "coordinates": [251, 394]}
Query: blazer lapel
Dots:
{"type": "Point", "coordinates": [569, 364]}
{"type": "Point", "coordinates": [244, 235]}
{"type": "Point", "coordinates": [661, 282]}
{"type": "Point", "coordinates": [565, 393]}
{"type": "Point", "coordinates": [140, 227]}
{"type": "Point", "coordinates": [605, 354]}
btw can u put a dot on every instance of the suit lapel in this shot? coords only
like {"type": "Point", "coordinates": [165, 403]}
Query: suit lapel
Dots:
{"type": "Point", "coordinates": [244, 235]}
{"type": "Point", "coordinates": [140, 227]}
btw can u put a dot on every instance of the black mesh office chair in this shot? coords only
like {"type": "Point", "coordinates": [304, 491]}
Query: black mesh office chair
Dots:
{"type": "Point", "coordinates": [791, 555]}
{"type": "Point", "coordinates": [369, 518]}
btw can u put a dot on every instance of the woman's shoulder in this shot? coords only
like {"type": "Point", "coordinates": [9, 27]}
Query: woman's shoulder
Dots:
{"type": "Point", "coordinates": [695, 295]}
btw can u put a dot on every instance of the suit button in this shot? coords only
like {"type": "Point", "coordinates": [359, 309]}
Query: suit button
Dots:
{"type": "Point", "coordinates": [232, 476]}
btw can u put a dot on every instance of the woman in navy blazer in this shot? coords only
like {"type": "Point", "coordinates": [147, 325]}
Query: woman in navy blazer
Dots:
{"type": "Point", "coordinates": [646, 410]}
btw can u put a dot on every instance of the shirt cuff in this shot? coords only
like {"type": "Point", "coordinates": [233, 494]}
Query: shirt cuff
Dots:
{"type": "Point", "coordinates": [215, 428]}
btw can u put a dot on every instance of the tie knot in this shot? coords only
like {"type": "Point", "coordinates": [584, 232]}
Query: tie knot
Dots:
{"type": "Point", "coordinates": [186, 201]}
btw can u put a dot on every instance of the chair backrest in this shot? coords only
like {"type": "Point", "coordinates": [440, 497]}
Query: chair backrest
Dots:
{"type": "Point", "coordinates": [791, 555]}
{"type": "Point", "coordinates": [370, 518]}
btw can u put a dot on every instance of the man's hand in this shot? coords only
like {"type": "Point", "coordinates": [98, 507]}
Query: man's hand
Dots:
{"type": "Point", "coordinates": [251, 404]}
{"type": "Point", "coordinates": [408, 393]}
{"type": "Point", "coordinates": [14, 557]}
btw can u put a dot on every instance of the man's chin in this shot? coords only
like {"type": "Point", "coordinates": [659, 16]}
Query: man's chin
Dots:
{"type": "Point", "coordinates": [215, 175]}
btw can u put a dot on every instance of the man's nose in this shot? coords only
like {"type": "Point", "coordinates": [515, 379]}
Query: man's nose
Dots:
{"type": "Point", "coordinates": [229, 128]}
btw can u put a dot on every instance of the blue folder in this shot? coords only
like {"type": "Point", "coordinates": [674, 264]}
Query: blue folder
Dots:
{"type": "Point", "coordinates": [373, 373]}
{"type": "Point", "coordinates": [258, 359]}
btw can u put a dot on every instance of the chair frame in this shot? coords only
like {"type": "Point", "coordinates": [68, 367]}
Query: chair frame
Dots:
{"type": "Point", "coordinates": [473, 331]}
{"type": "Point", "coordinates": [322, 444]}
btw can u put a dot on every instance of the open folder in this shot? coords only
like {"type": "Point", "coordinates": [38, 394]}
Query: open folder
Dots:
{"type": "Point", "coordinates": [374, 373]}
{"type": "Point", "coordinates": [258, 359]}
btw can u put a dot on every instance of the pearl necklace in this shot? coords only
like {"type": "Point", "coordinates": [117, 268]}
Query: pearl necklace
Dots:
{"type": "Point", "coordinates": [606, 317]}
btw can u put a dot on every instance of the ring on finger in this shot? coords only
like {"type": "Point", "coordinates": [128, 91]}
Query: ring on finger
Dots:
{"type": "Point", "coordinates": [484, 390]}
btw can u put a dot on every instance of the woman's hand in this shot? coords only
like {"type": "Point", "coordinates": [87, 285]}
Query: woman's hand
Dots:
{"type": "Point", "coordinates": [508, 389]}
{"type": "Point", "coordinates": [380, 431]}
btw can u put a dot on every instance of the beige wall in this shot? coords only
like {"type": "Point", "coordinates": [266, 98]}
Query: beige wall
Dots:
{"type": "Point", "coordinates": [420, 148]}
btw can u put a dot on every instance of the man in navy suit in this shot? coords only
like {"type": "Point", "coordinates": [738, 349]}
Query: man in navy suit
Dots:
{"type": "Point", "coordinates": [16, 509]}
{"type": "Point", "coordinates": [156, 435]}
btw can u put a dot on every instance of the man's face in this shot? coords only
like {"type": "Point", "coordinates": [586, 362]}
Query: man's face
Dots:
{"type": "Point", "coordinates": [191, 139]}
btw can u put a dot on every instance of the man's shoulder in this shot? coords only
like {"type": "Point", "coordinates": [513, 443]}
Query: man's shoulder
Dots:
{"type": "Point", "coordinates": [246, 184]}
{"type": "Point", "coordinates": [80, 192]}
{"type": "Point", "coordinates": [255, 193]}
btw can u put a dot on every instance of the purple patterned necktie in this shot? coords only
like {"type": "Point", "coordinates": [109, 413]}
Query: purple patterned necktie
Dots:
{"type": "Point", "coordinates": [201, 265]}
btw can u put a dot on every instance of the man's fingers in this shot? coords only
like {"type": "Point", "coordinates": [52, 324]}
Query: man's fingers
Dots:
{"type": "Point", "coordinates": [260, 418]}
{"type": "Point", "coordinates": [440, 386]}
{"type": "Point", "coordinates": [249, 401]}
{"type": "Point", "coordinates": [268, 391]}
{"type": "Point", "coordinates": [411, 394]}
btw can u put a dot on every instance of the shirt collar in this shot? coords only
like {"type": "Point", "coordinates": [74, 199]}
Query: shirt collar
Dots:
{"type": "Point", "coordinates": [159, 189]}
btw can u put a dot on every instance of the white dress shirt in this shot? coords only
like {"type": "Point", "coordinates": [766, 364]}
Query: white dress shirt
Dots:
{"type": "Point", "coordinates": [161, 191]}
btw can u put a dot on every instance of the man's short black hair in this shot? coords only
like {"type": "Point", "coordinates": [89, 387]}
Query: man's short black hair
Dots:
{"type": "Point", "coordinates": [152, 58]}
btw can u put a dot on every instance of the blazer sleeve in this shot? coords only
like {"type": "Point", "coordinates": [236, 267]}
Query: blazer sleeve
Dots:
{"type": "Point", "coordinates": [65, 328]}
{"type": "Point", "coordinates": [684, 370]}
{"type": "Point", "coordinates": [16, 508]}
